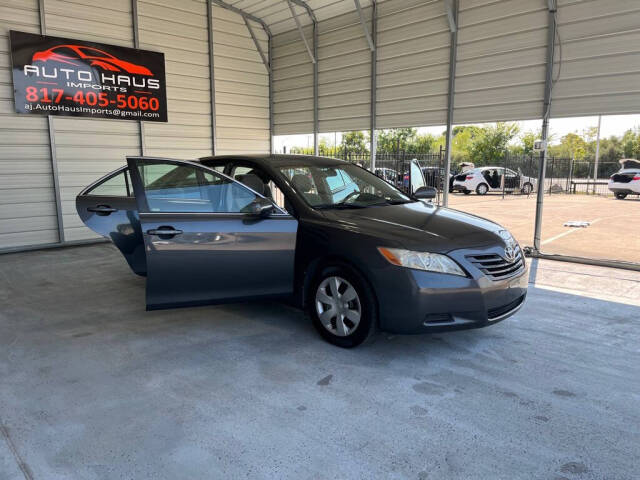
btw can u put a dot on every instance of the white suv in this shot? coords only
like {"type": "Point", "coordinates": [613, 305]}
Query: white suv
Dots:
{"type": "Point", "coordinates": [493, 179]}
{"type": "Point", "coordinates": [625, 182]}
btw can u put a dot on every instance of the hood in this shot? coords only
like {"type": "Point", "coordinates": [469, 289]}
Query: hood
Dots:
{"type": "Point", "coordinates": [419, 226]}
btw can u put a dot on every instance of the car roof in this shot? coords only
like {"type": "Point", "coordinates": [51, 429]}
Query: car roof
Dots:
{"type": "Point", "coordinates": [275, 160]}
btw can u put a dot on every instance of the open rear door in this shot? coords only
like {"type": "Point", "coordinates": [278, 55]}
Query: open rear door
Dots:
{"type": "Point", "coordinates": [203, 244]}
{"type": "Point", "coordinates": [109, 208]}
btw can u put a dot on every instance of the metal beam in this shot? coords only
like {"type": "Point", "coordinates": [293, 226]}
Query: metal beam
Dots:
{"type": "Point", "coordinates": [301, 31]}
{"type": "Point", "coordinates": [548, 86]}
{"type": "Point", "coordinates": [453, 55]}
{"type": "Point", "coordinates": [452, 15]}
{"type": "Point", "coordinates": [270, 96]}
{"type": "Point", "coordinates": [244, 14]}
{"type": "Point", "coordinates": [136, 44]}
{"type": "Point", "coordinates": [52, 143]}
{"type": "Point", "coordinates": [374, 84]}
{"type": "Point", "coordinates": [363, 22]}
{"type": "Point", "coordinates": [212, 77]}
{"type": "Point", "coordinates": [265, 60]}
{"type": "Point", "coordinates": [314, 20]}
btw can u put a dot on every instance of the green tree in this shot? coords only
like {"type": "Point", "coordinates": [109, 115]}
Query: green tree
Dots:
{"type": "Point", "coordinates": [395, 139]}
{"type": "Point", "coordinates": [489, 145]}
{"type": "Point", "coordinates": [354, 142]}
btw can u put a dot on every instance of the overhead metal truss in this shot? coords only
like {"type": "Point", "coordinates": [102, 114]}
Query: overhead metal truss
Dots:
{"type": "Point", "coordinates": [268, 57]}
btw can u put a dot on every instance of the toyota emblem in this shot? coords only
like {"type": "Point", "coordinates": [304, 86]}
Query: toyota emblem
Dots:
{"type": "Point", "coordinates": [509, 253]}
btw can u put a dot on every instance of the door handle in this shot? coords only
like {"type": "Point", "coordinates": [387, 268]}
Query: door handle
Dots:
{"type": "Point", "coordinates": [164, 231]}
{"type": "Point", "coordinates": [102, 210]}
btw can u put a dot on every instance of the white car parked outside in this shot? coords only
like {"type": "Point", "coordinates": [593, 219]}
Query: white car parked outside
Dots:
{"type": "Point", "coordinates": [625, 182]}
{"type": "Point", "coordinates": [493, 179]}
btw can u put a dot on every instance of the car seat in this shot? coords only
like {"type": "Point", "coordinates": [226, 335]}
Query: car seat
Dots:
{"type": "Point", "coordinates": [304, 185]}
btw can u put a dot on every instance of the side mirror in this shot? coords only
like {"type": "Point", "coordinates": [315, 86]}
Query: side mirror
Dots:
{"type": "Point", "coordinates": [425, 193]}
{"type": "Point", "coordinates": [261, 207]}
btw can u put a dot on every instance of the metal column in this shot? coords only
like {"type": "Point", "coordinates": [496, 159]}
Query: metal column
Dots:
{"type": "Point", "coordinates": [374, 83]}
{"type": "Point", "coordinates": [212, 77]}
{"type": "Point", "coordinates": [315, 88]}
{"type": "Point", "coordinates": [452, 13]}
{"type": "Point", "coordinates": [52, 143]}
{"type": "Point", "coordinates": [270, 56]}
{"type": "Point", "coordinates": [595, 169]}
{"type": "Point", "coordinates": [136, 44]}
{"type": "Point", "coordinates": [246, 17]}
{"type": "Point", "coordinates": [548, 86]}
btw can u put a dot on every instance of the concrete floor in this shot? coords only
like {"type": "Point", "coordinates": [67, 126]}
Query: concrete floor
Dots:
{"type": "Point", "coordinates": [612, 234]}
{"type": "Point", "coordinates": [94, 387]}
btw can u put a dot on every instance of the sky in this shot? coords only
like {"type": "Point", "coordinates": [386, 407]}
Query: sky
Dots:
{"type": "Point", "coordinates": [611, 125]}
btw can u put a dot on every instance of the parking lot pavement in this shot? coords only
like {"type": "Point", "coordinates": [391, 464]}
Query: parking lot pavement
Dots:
{"type": "Point", "coordinates": [94, 387]}
{"type": "Point", "coordinates": [611, 235]}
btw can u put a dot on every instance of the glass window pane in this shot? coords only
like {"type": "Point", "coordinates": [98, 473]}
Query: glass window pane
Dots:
{"type": "Point", "coordinates": [173, 187]}
{"type": "Point", "coordinates": [114, 187]}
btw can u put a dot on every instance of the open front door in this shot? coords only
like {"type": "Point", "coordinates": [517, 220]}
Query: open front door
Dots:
{"type": "Point", "coordinates": [203, 243]}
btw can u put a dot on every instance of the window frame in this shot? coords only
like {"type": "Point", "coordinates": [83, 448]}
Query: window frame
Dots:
{"type": "Point", "coordinates": [127, 180]}
{"type": "Point", "coordinates": [143, 205]}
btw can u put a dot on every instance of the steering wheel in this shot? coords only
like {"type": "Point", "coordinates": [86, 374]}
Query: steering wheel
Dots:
{"type": "Point", "coordinates": [352, 194]}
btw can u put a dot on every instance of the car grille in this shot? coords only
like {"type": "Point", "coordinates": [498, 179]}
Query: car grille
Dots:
{"type": "Point", "coordinates": [496, 312]}
{"type": "Point", "coordinates": [496, 267]}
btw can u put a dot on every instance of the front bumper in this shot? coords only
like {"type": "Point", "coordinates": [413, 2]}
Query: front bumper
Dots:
{"type": "Point", "coordinates": [415, 301]}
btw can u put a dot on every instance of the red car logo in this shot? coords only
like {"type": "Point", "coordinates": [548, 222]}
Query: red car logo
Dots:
{"type": "Point", "coordinates": [78, 55]}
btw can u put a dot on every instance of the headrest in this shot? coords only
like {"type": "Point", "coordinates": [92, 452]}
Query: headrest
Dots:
{"type": "Point", "coordinates": [302, 183]}
{"type": "Point", "coordinates": [252, 181]}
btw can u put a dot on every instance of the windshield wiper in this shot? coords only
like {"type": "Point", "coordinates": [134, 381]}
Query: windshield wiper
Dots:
{"type": "Point", "coordinates": [399, 202]}
{"type": "Point", "coordinates": [338, 206]}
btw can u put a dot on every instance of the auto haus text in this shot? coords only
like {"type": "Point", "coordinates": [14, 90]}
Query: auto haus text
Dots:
{"type": "Point", "coordinates": [86, 79]}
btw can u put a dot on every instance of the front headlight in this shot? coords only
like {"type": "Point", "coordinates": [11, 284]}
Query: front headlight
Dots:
{"type": "Point", "coordinates": [430, 262]}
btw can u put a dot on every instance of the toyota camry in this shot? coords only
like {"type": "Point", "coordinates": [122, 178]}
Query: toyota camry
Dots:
{"type": "Point", "coordinates": [353, 250]}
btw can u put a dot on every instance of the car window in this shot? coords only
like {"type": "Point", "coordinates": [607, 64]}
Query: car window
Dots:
{"type": "Point", "coordinates": [312, 183]}
{"type": "Point", "coordinates": [171, 187]}
{"type": "Point", "coordinates": [334, 181]}
{"type": "Point", "coordinates": [116, 186]}
{"type": "Point", "coordinates": [240, 170]}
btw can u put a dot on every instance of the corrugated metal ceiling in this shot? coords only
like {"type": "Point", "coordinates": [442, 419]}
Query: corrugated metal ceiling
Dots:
{"type": "Point", "coordinates": [277, 16]}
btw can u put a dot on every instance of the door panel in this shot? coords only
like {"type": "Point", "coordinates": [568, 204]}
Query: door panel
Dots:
{"type": "Point", "coordinates": [107, 208]}
{"type": "Point", "coordinates": [217, 258]}
{"type": "Point", "coordinates": [208, 256]}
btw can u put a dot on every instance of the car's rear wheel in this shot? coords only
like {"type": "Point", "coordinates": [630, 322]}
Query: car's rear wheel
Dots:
{"type": "Point", "coordinates": [527, 188]}
{"type": "Point", "coordinates": [482, 189]}
{"type": "Point", "coordinates": [466, 192]}
{"type": "Point", "coordinates": [621, 196]}
{"type": "Point", "coordinates": [342, 306]}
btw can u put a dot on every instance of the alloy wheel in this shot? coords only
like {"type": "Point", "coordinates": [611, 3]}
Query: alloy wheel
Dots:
{"type": "Point", "coordinates": [338, 306]}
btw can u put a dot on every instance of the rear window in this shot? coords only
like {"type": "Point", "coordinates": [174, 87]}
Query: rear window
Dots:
{"type": "Point", "coordinates": [118, 185]}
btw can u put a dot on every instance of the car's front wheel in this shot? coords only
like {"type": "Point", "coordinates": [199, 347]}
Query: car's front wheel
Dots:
{"type": "Point", "coordinates": [482, 189]}
{"type": "Point", "coordinates": [342, 306]}
{"type": "Point", "coordinates": [527, 188]}
{"type": "Point", "coordinates": [621, 196]}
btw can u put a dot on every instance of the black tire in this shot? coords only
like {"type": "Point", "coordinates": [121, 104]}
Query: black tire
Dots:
{"type": "Point", "coordinates": [527, 188]}
{"type": "Point", "coordinates": [368, 310]}
{"type": "Point", "coordinates": [621, 196]}
{"type": "Point", "coordinates": [482, 189]}
{"type": "Point", "coordinates": [466, 192]}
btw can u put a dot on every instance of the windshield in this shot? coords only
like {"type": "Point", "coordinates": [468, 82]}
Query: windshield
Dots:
{"type": "Point", "coordinates": [341, 186]}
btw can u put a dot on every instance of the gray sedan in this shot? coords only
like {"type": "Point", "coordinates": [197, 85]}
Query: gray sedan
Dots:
{"type": "Point", "coordinates": [327, 235]}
